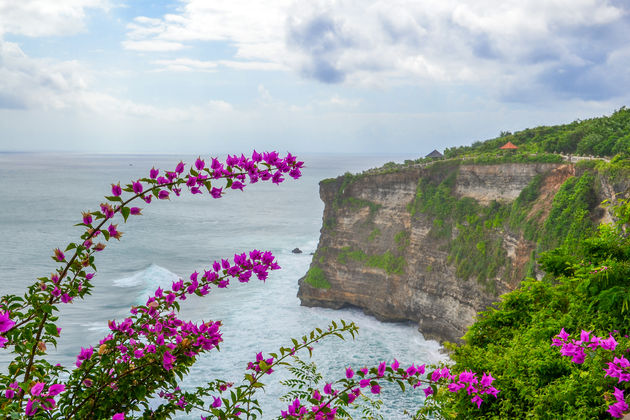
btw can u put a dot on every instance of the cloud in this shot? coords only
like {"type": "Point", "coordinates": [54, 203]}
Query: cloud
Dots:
{"type": "Point", "coordinates": [37, 83]}
{"type": "Point", "coordinates": [44, 84]}
{"type": "Point", "coordinates": [188, 64]}
{"type": "Point", "coordinates": [36, 18]}
{"type": "Point", "coordinates": [153, 45]}
{"type": "Point", "coordinates": [496, 46]}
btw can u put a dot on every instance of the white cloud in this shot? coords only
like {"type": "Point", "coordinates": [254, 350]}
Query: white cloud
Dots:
{"type": "Point", "coordinates": [152, 45]}
{"type": "Point", "coordinates": [44, 17]}
{"type": "Point", "coordinates": [189, 64]}
{"type": "Point", "coordinates": [479, 42]}
{"type": "Point", "coordinates": [44, 84]}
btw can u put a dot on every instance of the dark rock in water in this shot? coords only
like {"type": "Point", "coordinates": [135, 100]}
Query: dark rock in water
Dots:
{"type": "Point", "coordinates": [297, 251]}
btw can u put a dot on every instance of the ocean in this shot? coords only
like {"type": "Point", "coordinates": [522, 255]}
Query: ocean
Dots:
{"type": "Point", "coordinates": [42, 196]}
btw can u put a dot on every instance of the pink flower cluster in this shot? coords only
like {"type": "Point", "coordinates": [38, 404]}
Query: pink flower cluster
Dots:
{"type": "Point", "coordinates": [154, 334]}
{"type": "Point", "coordinates": [40, 396]}
{"type": "Point", "coordinates": [322, 408]}
{"type": "Point", "coordinates": [5, 325]}
{"type": "Point", "coordinates": [466, 381]}
{"type": "Point", "coordinates": [166, 330]}
{"type": "Point", "coordinates": [575, 348]}
{"type": "Point", "coordinates": [261, 364]}
{"type": "Point", "coordinates": [620, 406]}
{"type": "Point", "coordinates": [619, 368]}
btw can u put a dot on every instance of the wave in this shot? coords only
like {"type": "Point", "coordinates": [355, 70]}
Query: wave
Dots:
{"type": "Point", "coordinates": [148, 279]}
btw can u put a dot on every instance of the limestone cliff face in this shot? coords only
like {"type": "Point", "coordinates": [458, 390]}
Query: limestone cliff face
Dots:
{"type": "Point", "coordinates": [377, 253]}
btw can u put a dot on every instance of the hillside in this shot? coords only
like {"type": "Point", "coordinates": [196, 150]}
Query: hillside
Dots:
{"type": "Point", "coordinates": [436, 241]}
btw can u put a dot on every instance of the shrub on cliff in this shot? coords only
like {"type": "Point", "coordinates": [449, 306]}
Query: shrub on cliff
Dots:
{"type": "Point", "coordinates": [587, 289]}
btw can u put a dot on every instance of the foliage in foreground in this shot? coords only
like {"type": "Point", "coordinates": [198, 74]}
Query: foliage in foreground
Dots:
{"type": "Point", "coordinates": [145, 355]}
{"type": "Point", "coordinates": [586, 290]}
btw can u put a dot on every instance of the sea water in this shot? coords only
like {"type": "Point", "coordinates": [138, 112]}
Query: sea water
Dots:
{"type": "Point", "coordinates": [42, 196]}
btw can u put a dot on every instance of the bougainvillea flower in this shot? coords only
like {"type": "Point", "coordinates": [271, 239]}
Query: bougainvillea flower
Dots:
{"type": "Point", "coordinates": [59, 255]}
{"type": "Point", "coordinates": [56, 389]}
{"type": "Point", "coordinates": [5, 322]}
{"type": "Point", "coordinates": [167, 360]}
{"type": "Point", "coordinates": [116, 190]}
{"type": "Point", "coordinates": [137, 187]}
{"type": "Point", "coordinates": [37, 388]}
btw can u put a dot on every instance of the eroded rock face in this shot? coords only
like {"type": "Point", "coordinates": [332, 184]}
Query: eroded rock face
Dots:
{"type": "Point", "coordinates": [374, 254]}
{"type": "Point", "coordinates": [487, 183]}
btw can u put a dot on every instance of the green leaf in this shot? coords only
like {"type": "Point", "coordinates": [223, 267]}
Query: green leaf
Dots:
{"type": "Point", "coordinates": [51, 329]}
{"type": "Point", "coordinates": [113, 198]}
{"type": "Point", "coordinates": [125, 212]}
{"type": "Point", "coordinates": [70, 246]}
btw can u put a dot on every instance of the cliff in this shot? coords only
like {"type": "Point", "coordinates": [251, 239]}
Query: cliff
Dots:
{"type": "Point", "coordinates": [436, 243]}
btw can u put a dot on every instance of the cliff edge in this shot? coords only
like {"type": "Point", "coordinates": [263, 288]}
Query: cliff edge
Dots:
{"type": "Point", "coordinates": [436, 243]}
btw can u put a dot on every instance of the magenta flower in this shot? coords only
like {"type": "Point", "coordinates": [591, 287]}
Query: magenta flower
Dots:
{"type": "Point", "coordinates": [37, 388]}
{"type": "Point", "coordinates": [153, 173]}
{"type": "Point", "coordinates": [163, 195]}
{"type": "Point", "coordinates": [119, 416]}
{"type": "Point", "coordinates": [84, 354]}
{"type": "Point", "coordinates": [113, 232]}
{"type": "Point", "coordinates": [59, 255]}
{"type": "Point", "coordinates": [137, 187]}
{"type": "Point", "coordinates": [477, 400]}
{"type": "Point", "coordinates": [349, 373]}
{"type": "Point", "coordinates": [277, 178]}
{"type": "Point", "coordinates": [328, 389]}
{"type": "Point", "coordinates": [5, 322]}
{"type": "Point", "coordinates": [135, 210]}
{"type": "Point", "coordinates": [486, 380]}
{"type": "Point", "coordinates": [381, 369]}
{"type": "Point", "coordinates": [216, 403]}
{"type": "Point", "coordinates": [66, 298]}
{"type": "Point", "coordinates": [375, 389]}
{"type": "Point", "coordinates": [428, 391]}
{"type": "Point", "coordinates": [116, 190]}
{"type": "Point", "coordinates": [30, 409]}
{"type": "Point", "coordinates": [180, 167]}
{"type": "Point", "coordinates": [87, 217]}
{"type": "Point", "coordinates": [200, 164]}
{"type": "Point", "coordinates": [56, 389]}
{"type": "Point", "coordinates": [167, 360]}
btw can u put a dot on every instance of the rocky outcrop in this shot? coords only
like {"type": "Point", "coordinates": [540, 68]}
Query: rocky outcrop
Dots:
{"type": "Point", "coordinates": [378, 252]}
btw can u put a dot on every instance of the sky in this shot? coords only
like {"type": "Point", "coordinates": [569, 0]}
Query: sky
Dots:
{"type": "Point", "coordinates": [368, 76]}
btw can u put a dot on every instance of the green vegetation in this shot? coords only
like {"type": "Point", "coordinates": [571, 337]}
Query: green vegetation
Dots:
{"type": "Point", "coordinates": [387, 261]}
{"type": "Point", "coordinates": [374, 234]}
{"type": "Point", "coordinates": [357, 203]}
{"type": "Point", "coordinates": [316, 278]}
{"type": "Point", "coordinates": [473, 233]}
{"type": "Point", "coordinates": [586, 288]}
{"type": "Point", "coordinates": [402, 239]}
{"type": "Point", "coordinates": [605, 136]}
{"type": "Point", "coordinates": [569, 219]}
